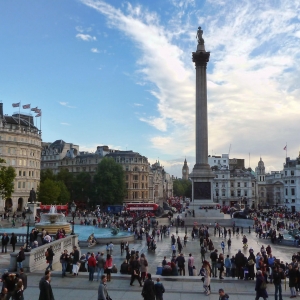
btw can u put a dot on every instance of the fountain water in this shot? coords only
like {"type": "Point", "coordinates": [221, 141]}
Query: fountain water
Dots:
{"type": "Point", "coordinates": [52, 221]}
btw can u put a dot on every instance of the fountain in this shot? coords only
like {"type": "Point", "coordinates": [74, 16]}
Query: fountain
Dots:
{"type": "Point", "coordinates": [52, 221]}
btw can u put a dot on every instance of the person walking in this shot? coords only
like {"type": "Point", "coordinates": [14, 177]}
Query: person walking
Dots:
{"type": "Point", "coordinates": [46, 289]}
{"type": "Point", "coordinates": [102, 290]}
{"type": "Point", "coordinates": [20, 258]}
{"type": "Point", "coordinates": [108, 266]}
{"type": "Point", "coordinates": [159, 289]}
{"type": "Point", "coordinates": [75, 254]}
{"type": "Point", "coordinates": [49, 256]}
{"type": "Point", "coordinates": [229, 243]}
{"type": "Point", "coordinates": [64, 258]}
{"type": "Point", "coordinates": [148, 291]}
{"type": "Point", "coordinates": [92, 265]}
{"type": "Point", "coordinates": [292, 274]}
{"type": "Point", "coordinates": [135, 270]}
{"type": "Point", "coordinates": [214, 258]}
{"type": "Point", "coordinates": [260, 286]}
{"type": "Point", "coordinates": [278, 275]}
{"type": "Point", "coordinates": [22, 276]}
{"type": "Point", "coordinates": [181, 264]}
{"type": "Point", "coordinates": [13, 241]}
{"type": "Point", "coordinates": [227, 265]}
{"type": "Point", "coordinates": [5, 240]}
{"type": "Point", "coordinates": [221, 265]}
{"type": "Point", "coordinates": [144, 266]}
{"type": "Point", "coordinates": [190, 264]}
{"type": "Point", "coordinates": [100, 265]}
{"type": "Point", "coordinates": [223, 246]}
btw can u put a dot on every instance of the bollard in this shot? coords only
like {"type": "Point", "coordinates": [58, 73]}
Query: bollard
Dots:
{"type": "Point", "coordinates": [249, 229]}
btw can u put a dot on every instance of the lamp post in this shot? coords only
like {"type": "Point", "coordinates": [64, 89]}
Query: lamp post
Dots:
{"type": "Point", "coordinates": [73, 210]}
{"type": "Point", "coordinates": [28, 216]}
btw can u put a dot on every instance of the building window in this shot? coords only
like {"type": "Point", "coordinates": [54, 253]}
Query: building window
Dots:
{"type": "Point", "coordinates": [217, 184]}
{"type": "Point", "coordinates": [252, 184]}
{"type": "Point", "coordinates": [223, 193]}
{"type": "Point", "coordinates": [285, 173]}
{"type": "Point", "coordinates": [292, 181]}
{"type": "Point", "coordinates": [286, 192]}
{"type": "Point", "coordinates": [231, 184]}
{"type": "Point", "coordinates": [292, 173]}
{"type": "Point", "coordinates": [216, 176]}
{"type": "Point", "coordinates": [239, 184]}
{"type": "Point", "coordinates": [293, 192]}
{"type": "Point", "coordinates": [217, 193]}
{"type": "Point", "coordinates": [239, 193]}
{"type": "Point", "coordinates": [232, 193]}
{"type": "Point", "coordinates": [19, 184]}
{"type": "Point", "coordinates": [24, 173]}
{"type": "Point", "coordinates": [24, 185]}
{"type": "Point", "coordinates": [245, 184]}
{"type": "Point", "coordinates": [223, 176]}
{"type": "Point", "coordinates": [262, 194]}
{"type": "Point", "coordinates": [245, 193]}
{"type": "Point", "coordinates": [126, 177]}
{"type": "Point", "coordinates": [135, 177]}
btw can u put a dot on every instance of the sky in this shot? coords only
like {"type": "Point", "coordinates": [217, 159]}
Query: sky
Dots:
{"type": "Point", "coordinates": [120, 73]}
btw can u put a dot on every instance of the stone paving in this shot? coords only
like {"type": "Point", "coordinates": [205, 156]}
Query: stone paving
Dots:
{"type": "Point", "coordinates": [179, 288]}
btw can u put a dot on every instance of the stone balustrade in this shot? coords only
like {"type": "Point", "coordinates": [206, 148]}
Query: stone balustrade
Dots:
{"type": "Point", "coordinates": [36, 260]}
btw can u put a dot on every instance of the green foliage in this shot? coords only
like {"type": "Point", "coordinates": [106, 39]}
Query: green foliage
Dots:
{"type": "Point", "coordinates": [109, 182]}
{"type": "Point", "coordinates": [64, 196]}
{"type": "Point", "coordinates": [7, 177]}
{"type": "Point", "coordinates": [48, 192]}
{"type": "Point", "coordinates": [47, 174]}
{"type": "Point", "coordinates": [182, 188]}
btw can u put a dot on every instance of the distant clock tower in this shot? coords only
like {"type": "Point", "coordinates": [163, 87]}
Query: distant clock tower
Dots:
{"type": "Point", "coordinates": [185, 171]}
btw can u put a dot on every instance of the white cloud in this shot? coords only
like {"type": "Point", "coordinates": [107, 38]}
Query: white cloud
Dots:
{"type": "Point", "coordinates": [138, 104]}
{"type": "Point", "coordinates": [95, 50]}
{"type": "Point", "coordinates": [66, 104]}
{"type": "Point", "coordinates": [85, 37]}
{"type": "Point", "coordinates": [66, 124]}
{"type": "Point", "coordinates": [253, 93]}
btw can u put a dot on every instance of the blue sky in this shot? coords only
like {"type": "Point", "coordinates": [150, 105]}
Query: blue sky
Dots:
{"type": "Point", "coordinates": [120, 73]}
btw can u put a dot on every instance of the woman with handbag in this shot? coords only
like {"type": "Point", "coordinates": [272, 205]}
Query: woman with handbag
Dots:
{"type": "Point", "coordinates": [260, 286]}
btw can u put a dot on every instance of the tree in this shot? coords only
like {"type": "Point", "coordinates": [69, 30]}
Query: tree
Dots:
{"type": "Point", "coordinates": [109, 182]}
{"type": "Point", "coordinates": [7, 177]}
{"type": "Point", "coordinates": [182, 188]}
{"type": "Point", "coordinates": [48, 191]}
{"type": "Point", "coordinates": [47, 174]}
{"type": "Point", "coordinates": [64, 196]}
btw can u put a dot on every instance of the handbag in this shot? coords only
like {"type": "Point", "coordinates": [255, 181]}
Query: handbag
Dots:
{"type": "Point", "coordinates": [219, 265]}
{"type": "Point", "coordinates": [263, 285]}
{"type": "Point", "coordinates": [250, 262]}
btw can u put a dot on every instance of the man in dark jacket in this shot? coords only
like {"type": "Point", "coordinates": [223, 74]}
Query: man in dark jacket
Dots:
{"type": "Point", "coordinates": [23, 277]}
{"type": "Point", "coordinates": [5, 241]}
{"type": "Point", "coordinates": [214, 258]}
{"type": "Point", "coordinates": [159, 289]}
{"type": "Point", "coordinates": [239, 261]}
{"type": "Point", "coordinates": [277, 276]}
{"type": "Point", "coordinates": [222, 295]}
{"type": "Point", "coordinates": [148, 291]}
{"type": "Point", "coordinates": [46, 289]}
{"type": "Point", "coordinates": [49, 258]}
{"type": "Point", "coordinates": [135, 271]}
{"type": "Point", "coordinates": [180, 262]}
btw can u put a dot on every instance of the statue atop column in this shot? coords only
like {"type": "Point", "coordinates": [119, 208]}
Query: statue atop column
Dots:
{"type": "Point", "coordinates": [32, 196]}
{"type": "Point", "coordinates": [199, 36]}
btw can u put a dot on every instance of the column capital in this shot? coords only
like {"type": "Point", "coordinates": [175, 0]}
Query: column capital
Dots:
{"type": "Point", "coordinates": [201, 58]}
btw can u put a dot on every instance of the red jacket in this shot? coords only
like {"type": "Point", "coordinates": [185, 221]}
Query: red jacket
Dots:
{"type": "Point", "coordinates": [92, 262]}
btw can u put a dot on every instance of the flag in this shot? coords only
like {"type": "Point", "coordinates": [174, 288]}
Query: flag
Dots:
{"type": "Point", "coordinates": [284, 148]}
{"type": "Point", "coordinates": [37, 110]}
{"type": "Point", "coordinates": [38, 115]}
{"type": "Point", "coordinates": [16, 104]}
{"type": "Point", "coordinates": [26, 106]}
{"type": "Point", "coordinates": [34, 109]}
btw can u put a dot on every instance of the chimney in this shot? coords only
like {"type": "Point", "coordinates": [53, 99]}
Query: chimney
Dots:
{"type": "Point", "coordinates": [1, 110]}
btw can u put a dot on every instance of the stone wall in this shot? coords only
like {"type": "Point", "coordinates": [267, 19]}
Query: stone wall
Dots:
{"type": "Point", "coordinates": [36, 260]}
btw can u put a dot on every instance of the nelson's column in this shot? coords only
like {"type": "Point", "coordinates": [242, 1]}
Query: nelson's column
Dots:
{"type": "Point", "coordinates": [202, 175]}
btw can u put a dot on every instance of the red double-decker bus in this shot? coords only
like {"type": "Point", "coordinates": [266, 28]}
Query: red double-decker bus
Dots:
{"type": "Point", "coordinates": [60, 208]}
{"type": "Point", "coordinates": [141, 206]}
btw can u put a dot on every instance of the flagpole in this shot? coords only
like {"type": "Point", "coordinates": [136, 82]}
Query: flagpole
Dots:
{"type": "Point", "coordinates": [29, 117]}
{"type": "Point", "coordinates": [19, 112]}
